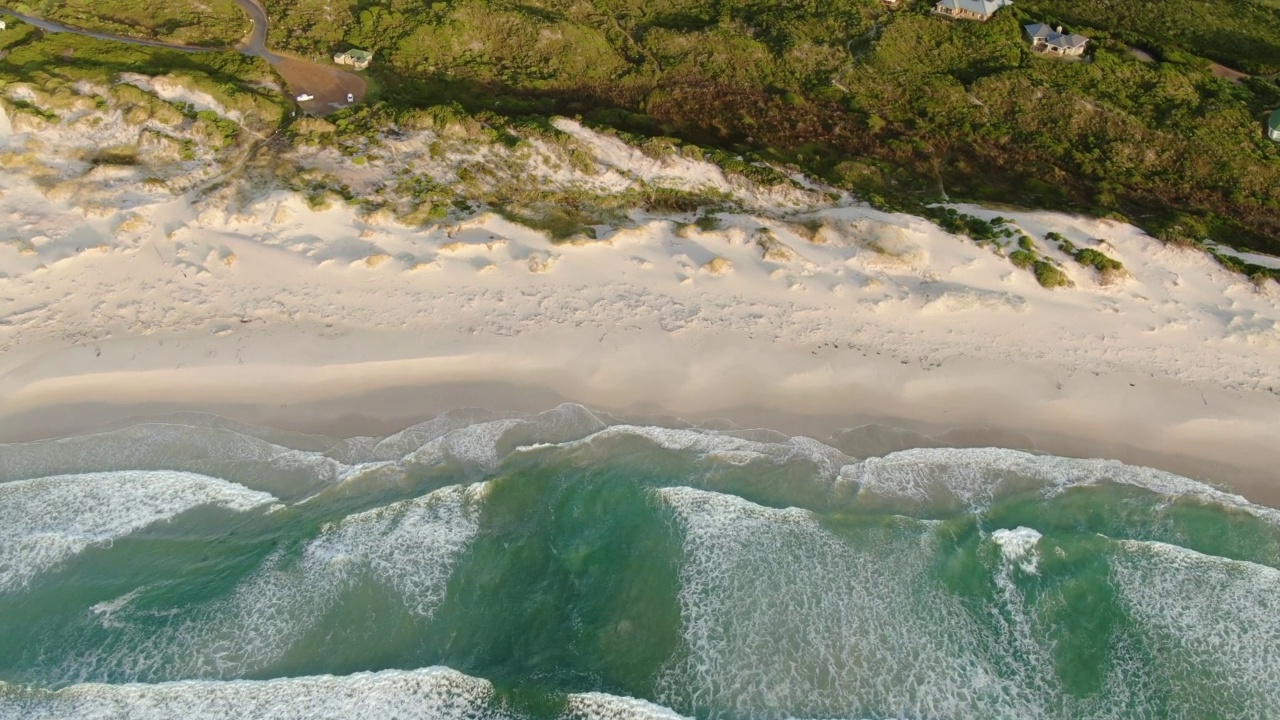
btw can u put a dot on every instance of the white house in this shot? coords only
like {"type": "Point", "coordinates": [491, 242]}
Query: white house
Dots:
{"type": "Point", "coordinates": [1273, 126]}
{"type": "Point", "coordinates": [980, 10]}
{"type": "Point", "coordinates": [3, 26]}
{"type": "Point", "coordinates": [1052, 41]}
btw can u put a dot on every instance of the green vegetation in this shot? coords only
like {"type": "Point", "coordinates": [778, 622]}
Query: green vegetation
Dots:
{"type": "Point", "coordinates": [1027, 257]}
{"type": "Point", "coordinates": [1102, 263]}
{"type": "Point", "coordinates": [885, 103]}
{"type": "Point", "coordinates": [209, 23]}
{"type": "Point", "coordinates": [52, 64]}
{"type": "Point", "coordinates": [904, 109]}
{"type": "Point", "coordinates": [1108, 267]}
{"type": "Point", "coordinates": [1023, 258]}
{"type": "Point", "coordinates": [1049, 275]}
{"type": "Point", "coordinates": [1238, 33]}
{"type": "Point", "coordinates": [983, 232]}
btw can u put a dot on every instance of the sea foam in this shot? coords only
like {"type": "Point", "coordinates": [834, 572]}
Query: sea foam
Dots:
{"type": "Point", "coordinates": [1211, 622]}
{"type": "Point", "coordinates": [45, 521]}
{"type": "Point", "coordinates": [976, 477]}
{"type": "Point", "coordinates": [409, 547]}
{"type": "Point", "coordinates": [1019, 545]}
{"type": "Point", "coordinates": [429, 694]}
{"type": "Point", "coordinates": [783, 618]}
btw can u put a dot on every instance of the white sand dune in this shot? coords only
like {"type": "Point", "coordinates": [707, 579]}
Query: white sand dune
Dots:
{"type": "Point", "coordinates": [266, 310]}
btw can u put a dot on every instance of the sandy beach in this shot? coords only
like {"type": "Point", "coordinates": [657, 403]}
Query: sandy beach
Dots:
{"type": "Point", "coordinates": [805, 313]}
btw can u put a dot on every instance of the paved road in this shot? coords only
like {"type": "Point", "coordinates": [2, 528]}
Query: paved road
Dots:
{"type": "Point", "coordinates": [257, 42]}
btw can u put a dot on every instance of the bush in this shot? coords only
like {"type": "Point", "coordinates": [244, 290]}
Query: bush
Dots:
{"type": "Point", "coordinates": [1098, 261]}
{"type": "Point", "coordinates": [1023, 258]}
{"type": "Point", "coordinates": [1049, 275]}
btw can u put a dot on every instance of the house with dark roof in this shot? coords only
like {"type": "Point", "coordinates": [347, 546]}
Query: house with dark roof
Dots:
{"type": "Point", "coordinates": [980, 10]}
{"type": "Point", "coordinates": [1052, 41]}
{"type": "Point", "coordinates": [1273, 126]}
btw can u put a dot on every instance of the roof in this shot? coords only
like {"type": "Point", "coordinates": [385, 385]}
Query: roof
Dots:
{"type": "Point", "coordinates": [1274, 122]}
{"type": "Point", "coordinates": [981, 7]}
{"type": "Point", "coordinates": [358, 54]}
{"type": "Point", "coordinates": [1040, 31]}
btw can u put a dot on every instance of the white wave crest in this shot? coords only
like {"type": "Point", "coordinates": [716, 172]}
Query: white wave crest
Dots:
{"type": "Point", "coordinates": [975, 477]}
{"type": "Point", "coordinates": [45, 521]}
{"type": "Point", "coordinates": [602, 706]}
{"type": "Point", "coordinates": [435, 693]}
{"type": "Point", "coordinates": [1211, 622]}
{"type": "Point", "coordinates": [198, 446]}
{"type": "Point", "coordinates": [488, 443]}
{"type": "Point", "coordinates": [1019, 546]}
{"type": "Point", "coordinates": [781, 617]}
{"type": "Point", "coordinates": [728, 448]}
{"type": "Point", "coordinates": [410, 547]}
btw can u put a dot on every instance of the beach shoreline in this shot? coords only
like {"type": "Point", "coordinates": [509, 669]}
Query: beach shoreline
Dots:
{"type": "Point", "coordinates": [1137, 420]}
{"type": "Point", "coordinates": [793, 309]}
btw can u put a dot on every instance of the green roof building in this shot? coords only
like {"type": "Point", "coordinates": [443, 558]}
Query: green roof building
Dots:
{"type": "Point", "coordinates": [358, 59]}
{"type": "Point", "coordinates": [1273, 126]}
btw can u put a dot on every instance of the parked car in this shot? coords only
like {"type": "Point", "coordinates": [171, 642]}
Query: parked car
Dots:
{"type": "Point", "coordinates": [351, 98]}
{"type": "Point", "coordinates": [305, 97]}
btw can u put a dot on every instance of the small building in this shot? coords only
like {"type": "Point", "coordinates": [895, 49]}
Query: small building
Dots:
{"type": "Point", "coordinates": [1273, 126]}
{"type": "Point", "coordinates": [980, 10]}
{"type": "Point", "coordinates": [1052, 41]}
{"type": "Point", "coordinates": [3, 25]}
{"type": "Point", "coordinates": [358, 59]}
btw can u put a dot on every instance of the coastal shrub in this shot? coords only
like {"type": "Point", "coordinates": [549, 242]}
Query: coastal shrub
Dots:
{"type": "Point", "coordinates": [1063, 244]}
{"type": "Point", "coordinates": [707, 222]}
{"type": "Point", "coordinates": [1023, 258]}
{"type": "Point", "coordinates": [1049, 275]}
{"type": "Point", "coordinates": [209, 23]}
{"type": "Point", "coordinates": [1098, 261]}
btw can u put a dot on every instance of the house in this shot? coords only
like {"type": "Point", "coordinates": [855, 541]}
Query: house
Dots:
{"type": "Point", "coordinates": [1273, 126]}
{"type": "Point", "coordinates": [358, 59]}
{"type": "Point", "coordinates": [1051, 41]}
{"type": "Point", "coordinates": [980, 10]}
{"type": "Point", "coordinates": [3, 26]}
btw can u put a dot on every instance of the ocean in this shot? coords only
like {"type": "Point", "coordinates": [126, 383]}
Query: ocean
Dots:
{"type": "Point", "coordinates": [570, 565]}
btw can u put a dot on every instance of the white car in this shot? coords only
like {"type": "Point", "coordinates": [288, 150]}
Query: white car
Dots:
{"type": "Point", "coordinates": [351, 98]}
{"type": "Point", "coordinates": [305, 97]}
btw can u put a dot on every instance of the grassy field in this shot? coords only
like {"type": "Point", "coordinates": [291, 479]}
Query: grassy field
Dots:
{"type": "Point", "coordinates": [211, 23]}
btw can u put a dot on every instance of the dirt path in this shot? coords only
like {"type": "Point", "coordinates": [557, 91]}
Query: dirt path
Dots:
{"type": "Point", "coordinates": [328, 86]}
{"type": "Point", "coordinates": [1226, 73]}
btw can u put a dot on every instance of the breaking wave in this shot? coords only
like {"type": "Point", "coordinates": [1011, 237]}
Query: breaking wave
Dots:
{"type": "Point", "coordinates": [570, 565]}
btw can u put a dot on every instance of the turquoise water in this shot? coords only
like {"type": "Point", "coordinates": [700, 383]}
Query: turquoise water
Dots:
{"type": "Point", "coordinates": [565, 565]}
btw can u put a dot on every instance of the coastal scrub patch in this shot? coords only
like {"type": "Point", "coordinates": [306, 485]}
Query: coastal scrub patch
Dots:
{"type": "Point", "coordinates": [1050, 275]}
{"type": "Point", "coordinates": [1109, 269]}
